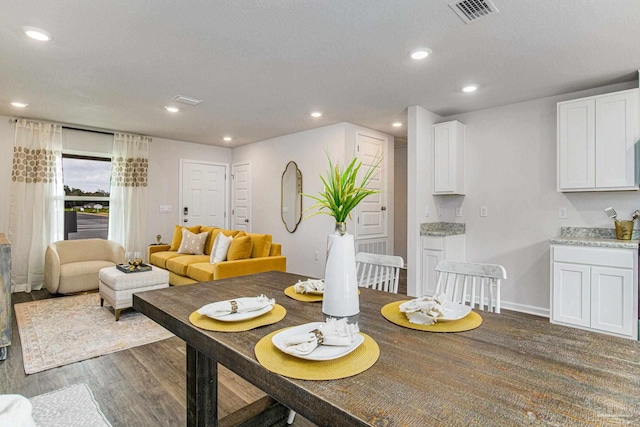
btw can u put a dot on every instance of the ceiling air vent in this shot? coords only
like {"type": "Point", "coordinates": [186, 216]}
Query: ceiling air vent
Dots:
{"type": "Point", "coordinates": [472, 10]}
{"type": "Point", "coordinates": [186, 100]}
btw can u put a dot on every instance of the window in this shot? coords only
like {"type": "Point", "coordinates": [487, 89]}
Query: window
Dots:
{"type": "Point", "coordinates": [87, 182]}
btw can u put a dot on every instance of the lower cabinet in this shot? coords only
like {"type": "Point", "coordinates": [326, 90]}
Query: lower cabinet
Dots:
{"type": "Point", "coordinates": [595, 288]}
{"type": "Point", "coordinates": [434, 250]}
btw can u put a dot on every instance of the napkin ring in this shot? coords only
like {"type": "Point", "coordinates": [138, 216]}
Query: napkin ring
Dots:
{"type": "Point", "coordinates": [234, 307]}
{"type": "Point", "coordinates": [318, 335]}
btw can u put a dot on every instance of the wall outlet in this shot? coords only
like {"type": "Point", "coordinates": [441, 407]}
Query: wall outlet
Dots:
{"type": "Point", "coordinates": [458, 212]}
{"type": "Point", "coordinates": [483, 211]}
{"type": "Point", "coordinates": [316, 256]}
{"type": "Point", "coordinates": [563, 213]}
{"type": "Point", "coordinates": [426, 210]}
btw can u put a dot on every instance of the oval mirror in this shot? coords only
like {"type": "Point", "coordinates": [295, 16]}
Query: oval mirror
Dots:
{"type": "Point", "coordinates": [291, 197]}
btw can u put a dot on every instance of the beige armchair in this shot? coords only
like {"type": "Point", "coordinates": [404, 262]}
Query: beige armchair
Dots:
{"type": "Point", "coordinates": [73, 265]}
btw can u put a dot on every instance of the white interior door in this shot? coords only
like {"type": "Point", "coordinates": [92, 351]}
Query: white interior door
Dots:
{"type": "Point", "coordinates": [241, 208]}
{"type": "Point", "coordinates": [371, 212]}
{"type": "Point", "coordinates": [203, 196]}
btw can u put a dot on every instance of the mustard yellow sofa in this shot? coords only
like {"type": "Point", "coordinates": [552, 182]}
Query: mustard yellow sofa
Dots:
{"type": "Point", "coordinates": [185, 269]}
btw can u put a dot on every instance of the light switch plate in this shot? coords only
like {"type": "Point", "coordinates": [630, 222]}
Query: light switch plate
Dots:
{"type": "Point", "coordinates": [483, 211]}
{"type": "Point", "coordinates": [458, 212]}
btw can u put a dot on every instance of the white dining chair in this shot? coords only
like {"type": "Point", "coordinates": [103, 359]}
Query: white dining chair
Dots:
{"type": "Point", "coordinates": [471, 283]}
{"type": "Point", "coordinates": [381, 272]}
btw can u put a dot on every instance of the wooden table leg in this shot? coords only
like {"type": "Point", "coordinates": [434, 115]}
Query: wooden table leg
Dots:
{"type": "Point", "coordinates": [202, 389]}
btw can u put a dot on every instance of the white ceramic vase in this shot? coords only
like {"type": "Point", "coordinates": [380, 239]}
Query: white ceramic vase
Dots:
{"type": "Point", "coordinates": [340, 285]}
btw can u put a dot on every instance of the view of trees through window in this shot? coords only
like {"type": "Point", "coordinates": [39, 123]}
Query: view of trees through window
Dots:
{"type": "Point", "coordinates": [87, 181]}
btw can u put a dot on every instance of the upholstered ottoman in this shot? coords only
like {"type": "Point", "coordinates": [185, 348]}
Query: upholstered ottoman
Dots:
{"type": "Point", "coordinates": [117, 288]}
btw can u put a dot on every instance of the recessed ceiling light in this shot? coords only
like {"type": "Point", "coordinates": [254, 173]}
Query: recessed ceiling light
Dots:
{"type": "Point", "coordinates": [396, 124]}
{"type": "Point", "coordinates": [37, 34]}
{"type": "Point", "coordinates": [316, 114]}
{"type": "Point", "coordinates": [420, 53]}
{"type": "Point", "coordinates": [227, 138]}
{"type": "Point", "coordinates": [19, 104]}
{"type": "Point", "coordinates": [470, 88]}
{"type": "Point", "coordinates": [172, 109]}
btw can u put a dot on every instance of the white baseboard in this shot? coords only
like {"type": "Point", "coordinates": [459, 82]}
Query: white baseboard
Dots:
{"type": "Point", "coordinates": [523, 308]}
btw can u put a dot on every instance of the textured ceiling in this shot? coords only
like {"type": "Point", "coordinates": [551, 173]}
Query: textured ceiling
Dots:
{"type": "Point", "coordinates": [261, 66]}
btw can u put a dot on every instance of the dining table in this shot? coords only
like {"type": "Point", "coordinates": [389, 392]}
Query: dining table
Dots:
{"type": "Point", "coordinates": [511, 370]}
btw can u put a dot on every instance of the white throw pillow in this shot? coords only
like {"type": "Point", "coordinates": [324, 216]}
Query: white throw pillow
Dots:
{"type": "Point", "coordinates": [192, 243]}
{"type": "Point", "coordinates": [220, 248]}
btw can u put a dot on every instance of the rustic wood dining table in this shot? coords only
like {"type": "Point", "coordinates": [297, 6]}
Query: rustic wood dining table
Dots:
{"type": "Point", "coordinates": [512, 370]}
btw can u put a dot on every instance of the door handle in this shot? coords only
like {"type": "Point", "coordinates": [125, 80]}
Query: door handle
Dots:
{"type": "Point", "coordinates": [246, 220]}
{"type": "Point", "coordinates": [185, 220]}
{"type": "Point", "coordinates": [383, 208]}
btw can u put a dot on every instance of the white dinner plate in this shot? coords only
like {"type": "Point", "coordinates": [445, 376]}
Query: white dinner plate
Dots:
{"type": "Point", "coordinates": [454, 311]}
{"type": "Point", "coordinates": [322, 352]}
{"type": "Point", "coordinates": [236, 317]}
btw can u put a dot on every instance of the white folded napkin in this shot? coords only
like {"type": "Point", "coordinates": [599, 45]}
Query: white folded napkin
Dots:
{"type": "Point", "coordinates": [424, 310]}
{"type": "Point", "coordinates": [310, 285]}
{"type": "Point", "coordinates": [242, 305]}
{"type": "Point", "coordinates": [333, 332]}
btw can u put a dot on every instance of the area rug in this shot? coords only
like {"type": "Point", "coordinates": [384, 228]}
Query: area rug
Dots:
{"type": "Point", "coordinates": [58, 331]}
{"type": "Point", "coordinates": [73, 406]}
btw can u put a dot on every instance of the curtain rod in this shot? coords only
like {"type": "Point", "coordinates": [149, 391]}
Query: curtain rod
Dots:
{"type": "Point", "coordinates": [88, 130]}
{"type": "Point", "coordinates": [14, 120]}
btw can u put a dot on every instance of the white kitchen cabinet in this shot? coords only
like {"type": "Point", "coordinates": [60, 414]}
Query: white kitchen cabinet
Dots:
{"type": "Point", "coordinates": [595, 288]}
{"type": "Point", "coordinates": [448, 157]}
{"type": "Point", "coordinates": [596, 142]}
{"type": "Point", "coordinates": [434, 250]}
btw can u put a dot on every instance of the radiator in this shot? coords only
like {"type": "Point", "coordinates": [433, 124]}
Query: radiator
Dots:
{"type": "Point", "coordinates": [372, 246]}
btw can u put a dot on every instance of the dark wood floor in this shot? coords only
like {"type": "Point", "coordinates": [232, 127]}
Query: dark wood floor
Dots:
{"type": "Point", "coordinates": [142, 386]}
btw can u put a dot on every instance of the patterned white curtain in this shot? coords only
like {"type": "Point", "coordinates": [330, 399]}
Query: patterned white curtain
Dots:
{"type": "Point", "coordinates": [37, 201]}
{"type": "Point", "coordinates": [128, 198]}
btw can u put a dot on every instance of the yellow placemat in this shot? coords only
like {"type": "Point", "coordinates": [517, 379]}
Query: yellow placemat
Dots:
{"type": "Point", "coordinates": [291, 293]}
{"type": "Point", "coordinates": [392, 313]}
{"type": "Point", "coordinates": [204, 322]}
{"type": "Point", "coordinates": [359, 360]}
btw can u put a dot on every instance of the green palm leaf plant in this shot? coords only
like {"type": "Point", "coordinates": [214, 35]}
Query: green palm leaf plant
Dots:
{"type": "Point", "coordinates": [341, 192]}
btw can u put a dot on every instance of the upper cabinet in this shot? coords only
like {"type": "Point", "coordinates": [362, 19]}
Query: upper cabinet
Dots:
{"type": "Point", "coordinates": [448, 157]}
{"type": "Point", "coordinates": [597, 142]}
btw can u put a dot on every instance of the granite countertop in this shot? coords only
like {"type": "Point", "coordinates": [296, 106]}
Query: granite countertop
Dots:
{"type": "Point", "coordinates": [595, 237]}
{"type": "Point", "coordinates": [442, 229]}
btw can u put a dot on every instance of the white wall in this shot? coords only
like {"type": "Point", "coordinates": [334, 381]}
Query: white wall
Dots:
{"type": "Point", "coordinates": [420, 203]}
{"type": "Point", "coordinates": [164, 177]}
{"type": "Point", "coordinates": [268, 159]}
{"type": "Point", "coordinates": [7, 135]}
{"type": "Point", "coordinates": [400, 201]}
{"type": "Point", "coordinates": [511, 169]}
{"type": "Point", "coordinates": [164, 180]}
